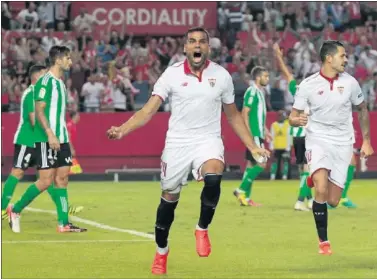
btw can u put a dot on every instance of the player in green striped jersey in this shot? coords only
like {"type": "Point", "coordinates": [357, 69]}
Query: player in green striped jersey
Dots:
{"type": "Point", "coordinates": [52, 150]}
{"type": "Point", "coordinates": [24, 146]}
{"type": "Point", "coordinates": [254, 113]}
{"type": "Point", "coordinates": [298, 134]}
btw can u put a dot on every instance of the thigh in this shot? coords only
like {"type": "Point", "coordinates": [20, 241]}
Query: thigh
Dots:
{"type": "Point", "coordinates": [212, 152]}
{"type": "Point", "coordinates": [23, 157]}
{"type": "Point", "coordinates": [341, 158]}
{"type": "Point", "coordinates": [300, 149]}
{"type": "Point", "coordinates": [318, 156]}
{"type": "Point", "coordinates": [45, 157]}
{"type": "Point", "coordinates": [64, 156]}
{"type": "Point", "coordinates": [175, 166]}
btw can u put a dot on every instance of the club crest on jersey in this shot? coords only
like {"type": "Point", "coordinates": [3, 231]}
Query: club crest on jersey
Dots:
{"type": "Point", "coordinates": [212, 81]}
{"type": "Point", "coordinates": [42, 93]}
{"type": "Point", "coordinates": [341, 89]}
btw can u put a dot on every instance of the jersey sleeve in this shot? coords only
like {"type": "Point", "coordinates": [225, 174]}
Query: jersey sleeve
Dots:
{"type": "Point", "coordinates": [301, 97]}
{"type": "Point", "coordinates": [292, 87]}
{"type": "Point", "coordinates": [227, 95]}
{"type": "Point", "coordinates": [248, 98]}
{"type": "Point", "coordinates": [162, 87]}
{"type": "Point", "coordinates": [41, 89]}
{"type": "Point", "coordinates": [357, 96]}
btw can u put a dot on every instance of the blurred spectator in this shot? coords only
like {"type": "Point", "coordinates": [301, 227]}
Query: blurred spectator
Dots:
{"type": "Point", "coordinates": [84, 21]}
{"type": "Point", "coordinates": [49, 41]}
{"type": "Point", "coordinates": [73, 96]}
{"type": "Point", "coordinates": [62, 15]}
{"type": "Point", "coordinates": [92, 91]}
{"type": "Point", "coordinates": [143, 86]}
{"type": "Point", "coordinates": [105, 50]}
{"type": "Point", "coordinates": [6, 15]}
{"type": "Point", "coordinates": [46, 15]}
{"type": "Point", "coordinates": [28, 18]}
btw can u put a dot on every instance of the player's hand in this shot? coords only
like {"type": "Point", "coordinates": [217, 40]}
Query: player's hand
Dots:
{"type": "Point", "coordinates": [261, 155]}
{"type": "Point", "coordinates": [114, 133]}
{"type": "Point", "coordinates": [303, 119]}
{"type": "Point", "coordinates": [53, 142]}
{"type": "Point", "coordinates": [366, 149]}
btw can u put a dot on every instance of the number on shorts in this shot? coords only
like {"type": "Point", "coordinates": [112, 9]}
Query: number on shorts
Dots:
{"type": "Point", "coordinates": [163, 168]}
{"type": "Point", "coordinates": [308, 155]}
{"type": "Point", "coordinates": [52, 157]}
{"type": "Point", "coordinates": [27, 158]}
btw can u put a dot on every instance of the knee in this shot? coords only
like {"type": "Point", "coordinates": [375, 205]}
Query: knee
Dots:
{"type": "Point", "coordinates": [264, 165]}
{"type": "Point", "coordinates": [18, 173]}
{"type": "Point", "coordinates": [45, 181]}
{"type": "Point", "coordinates": [170, 197]}
{"type": "Point", "coordinates": [333, 202]}
{"type": "Point", "coordinates": [61, 180]}
{"type": "Point", "coordinates": [211, 191]}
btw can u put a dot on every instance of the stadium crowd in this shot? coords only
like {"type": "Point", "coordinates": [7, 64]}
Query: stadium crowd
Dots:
{"type": "Point", "coordinates": [117, 72]}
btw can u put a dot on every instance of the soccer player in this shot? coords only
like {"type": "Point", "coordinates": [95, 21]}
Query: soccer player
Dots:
{"type": "Point", "coordinates": [24, 154]}
{"type": "Point", "coordinates": [298, 134]}
{"type": "Point", "coordinates": [281, 145]}
{"type": "Point", "coordinates": [196, 89]}
{"type": "Point", "coordinates": [330, 95]}
{"type": "Point", "coordinates": [52, 150]}
{"type": "Point", "coordinates": [254, 115]}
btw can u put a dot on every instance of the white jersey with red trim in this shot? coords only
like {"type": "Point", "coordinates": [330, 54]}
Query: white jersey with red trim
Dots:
{"type": "Point", "coordinates": [195, 101]}
{"type": "Point", "coordinates": [330, 107]}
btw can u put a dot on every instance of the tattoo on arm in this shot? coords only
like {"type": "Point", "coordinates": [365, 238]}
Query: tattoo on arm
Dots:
{"type": "Point", "coordinates": [364, 120]}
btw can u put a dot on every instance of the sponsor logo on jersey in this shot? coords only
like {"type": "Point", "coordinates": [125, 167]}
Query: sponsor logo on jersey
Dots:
{"type": "Point", "coordinates": [341, 89]}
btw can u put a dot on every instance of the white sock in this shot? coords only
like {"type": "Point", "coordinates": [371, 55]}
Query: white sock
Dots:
{"type": "Point", "coordinates": [162, 251]}
{"type": "Point", "coordinates": [200, 229]}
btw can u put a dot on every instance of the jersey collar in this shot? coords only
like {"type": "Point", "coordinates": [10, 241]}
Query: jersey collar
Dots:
{"type": "Point", "coordinates": [330, 80]}
{"type": "Point", "coordinates": [187, 70]}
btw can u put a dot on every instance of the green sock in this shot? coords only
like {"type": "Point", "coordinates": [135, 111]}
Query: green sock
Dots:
{"type": "Point", "coordinates": [31, 193]}
{"type": "Point", "coordinates": [274, 168]}
{"type": "Point", "coordinates": [285, 169]}
{"type": "Point", "coordinates": [8, 190]}
{"type": "Point", "coordinates": [308, 191]}
{"type": "Point", "coordinates": [254, 172]}
{"type": "Point", "coordinates": [246, 182]}
{"type": "Point", "coordinates": [51, 190]}
{"type": "Point", "coordinates": [351, 170]}
{"type": "Point", "coordinates": [62, 205]}
{"type": "Point", "coordinates": [302, 190]}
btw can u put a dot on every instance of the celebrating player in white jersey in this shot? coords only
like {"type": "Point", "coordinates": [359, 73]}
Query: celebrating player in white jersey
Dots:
{"type": "Point", "coordinates": [330, 95]}
{"type": "Point", "coordinates": [196, 88]}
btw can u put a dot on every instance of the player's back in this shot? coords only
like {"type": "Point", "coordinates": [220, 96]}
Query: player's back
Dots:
{"type": "Point", "coordinates": [25, 130]}
{"type": "Point", "coordinates": [195, 102]}
{"type": "Point", "coordinates": [52, 92]}
{"type": "Point", "coordinates": [255, 101]}
{"type": "Point", "coordinates": [330, 107]}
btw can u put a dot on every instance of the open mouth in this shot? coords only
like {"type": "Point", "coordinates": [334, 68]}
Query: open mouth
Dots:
{"type": "Point", "coordinates": [197, 56]}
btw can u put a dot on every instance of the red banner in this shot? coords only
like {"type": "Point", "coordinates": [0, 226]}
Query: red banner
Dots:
{"type": "Point", "coordinates": [154, 18]}
{"type": "Point", "coordinates": [146, 141]}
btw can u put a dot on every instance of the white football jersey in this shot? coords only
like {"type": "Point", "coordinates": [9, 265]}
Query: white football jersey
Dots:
{"type": "Point", "coordinates": [330, 104]}
{"type": "Point", "coordinates": [195, 102]}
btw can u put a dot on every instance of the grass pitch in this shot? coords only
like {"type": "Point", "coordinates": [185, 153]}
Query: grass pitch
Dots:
{"type": "Point", "coordinates": [272, 241]}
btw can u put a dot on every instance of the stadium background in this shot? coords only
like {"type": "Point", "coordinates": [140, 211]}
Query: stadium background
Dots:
{"type": "Point", "coordinates": [119, 49]}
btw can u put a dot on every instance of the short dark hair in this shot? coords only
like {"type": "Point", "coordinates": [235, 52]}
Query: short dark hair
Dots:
{"type": "Point", "coordinates": [257, 72]}
{"type": "Point", "coordinates": [329, 48]}
{"type": "Point", "coordinates": [72, 114]}
{"type": "Point", "coordinates": [57, 52]}
{"type": "Point", "coordinates": [36, 69]}
{"type": "Point", "coordinates": [197, 29]}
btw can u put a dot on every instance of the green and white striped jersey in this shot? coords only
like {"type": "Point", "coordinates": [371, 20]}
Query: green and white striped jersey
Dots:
{"type": "Point", "coordinates": [52, 91]}
{"type": "Point", "coordinates": [295, 132]}
{"type": "Point", "coordinates": [25, 130]}
{"type": "Point", "coordinates": [254, 99]}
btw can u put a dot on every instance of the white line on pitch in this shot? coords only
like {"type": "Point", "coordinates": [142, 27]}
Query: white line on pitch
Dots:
{"type": "Point", "coordinates": [95, 224]}
{"type": "Point", "coordinates": [73, 241]}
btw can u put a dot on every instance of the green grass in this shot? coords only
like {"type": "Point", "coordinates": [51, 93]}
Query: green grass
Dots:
{"type": "Point", "coordinates": [272, 241]}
